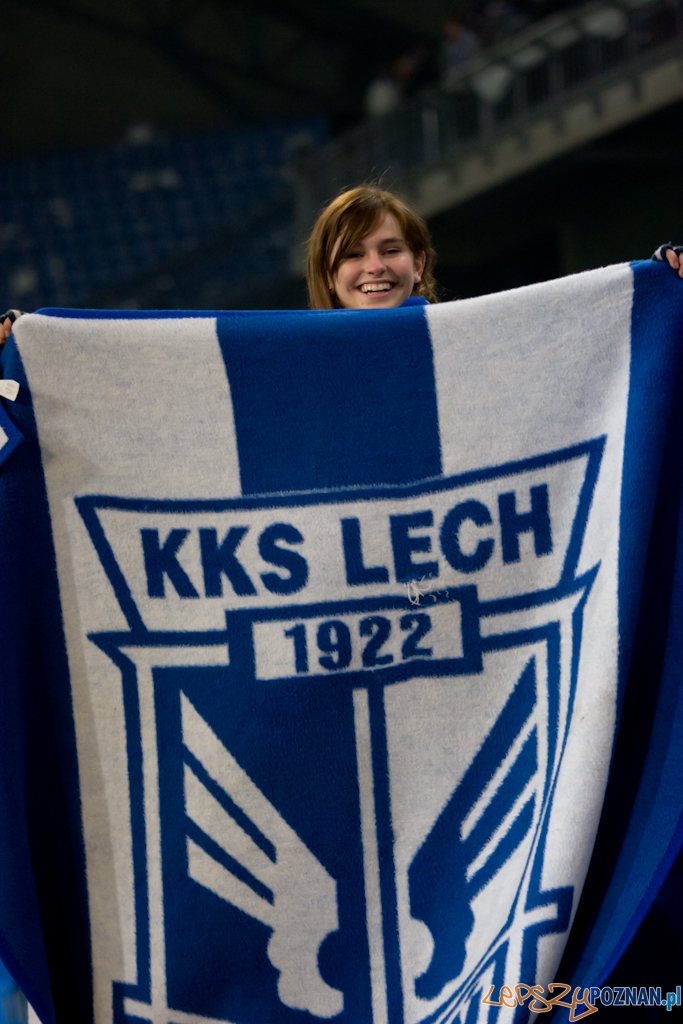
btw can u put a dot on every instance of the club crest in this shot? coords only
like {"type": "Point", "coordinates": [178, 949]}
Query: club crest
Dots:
{"type": "Point", "coordinates": [346, 714]}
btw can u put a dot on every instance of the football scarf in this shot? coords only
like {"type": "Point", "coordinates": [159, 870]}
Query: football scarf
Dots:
{"type": "Point", "coordinates": [331, 641]}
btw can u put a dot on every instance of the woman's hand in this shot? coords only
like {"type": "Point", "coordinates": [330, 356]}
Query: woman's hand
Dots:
{"type": "Point", "coordinates": [6, 321]}
{"type": "Point", "coordinates": [675, 260]}
{"type": "Point", "coordinates": [671, 254]}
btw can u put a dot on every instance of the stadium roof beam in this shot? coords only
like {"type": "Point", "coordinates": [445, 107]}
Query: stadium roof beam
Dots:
{"type": "Point", "coordinates": [171, 46]}
{"type": "Point", "coordinates": [338, 22]}
{"type": "Point", "coordinates": [160, 33]}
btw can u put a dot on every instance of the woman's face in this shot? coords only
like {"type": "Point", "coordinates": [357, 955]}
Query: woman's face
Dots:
{"type": "Point", "coordinates": [380, 272]}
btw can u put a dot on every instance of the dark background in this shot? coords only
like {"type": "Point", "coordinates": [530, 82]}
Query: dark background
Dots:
{"type": "Point", "coordinates": [137, 81]}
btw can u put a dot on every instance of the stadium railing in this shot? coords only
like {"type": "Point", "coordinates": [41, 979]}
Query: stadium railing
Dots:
{"type": "Point", "coordinates": [554, 85]}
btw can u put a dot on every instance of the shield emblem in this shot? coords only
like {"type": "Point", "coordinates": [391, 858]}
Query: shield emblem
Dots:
{"type": "Point", "coordinates": [340, 806]}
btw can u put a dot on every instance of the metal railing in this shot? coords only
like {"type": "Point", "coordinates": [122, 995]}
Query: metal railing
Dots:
{"type": "Point", "coordinates": [537, 71]}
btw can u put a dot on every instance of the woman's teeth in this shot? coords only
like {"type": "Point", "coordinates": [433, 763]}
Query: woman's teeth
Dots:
{"type": "Point", "coordinates": [383, 287]}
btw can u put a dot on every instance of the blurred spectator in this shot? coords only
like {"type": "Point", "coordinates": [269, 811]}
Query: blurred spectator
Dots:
{"type": "Point", "coordinates": [459, 44]}
{"type": "Point", "coordinates": [537, 9]}
{"type": "Point", "coordinates": [425, 67]}
{"type": "Point", "coordinates": [394, 81]}
{"type": "Point", "coordinates": [500, 18]}
{"type": "Point", "coordinates": [140, 133]}
{"type": "Point", "coordinates": [384, 93]}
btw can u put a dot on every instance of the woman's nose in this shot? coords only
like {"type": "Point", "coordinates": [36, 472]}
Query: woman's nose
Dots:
{"type": "Point", "coordinates": [374, 264]}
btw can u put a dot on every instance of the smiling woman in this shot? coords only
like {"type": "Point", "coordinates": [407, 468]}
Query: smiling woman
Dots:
{"type": "Point", "coordinates": [369, 250]}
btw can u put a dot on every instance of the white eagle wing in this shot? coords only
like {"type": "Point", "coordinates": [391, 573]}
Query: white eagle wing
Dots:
{"type": "Point", "coordinates": [303, 910]}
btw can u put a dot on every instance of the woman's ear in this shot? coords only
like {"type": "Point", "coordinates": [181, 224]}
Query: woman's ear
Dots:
{"type": "Point", "coordinates": [419, 266]}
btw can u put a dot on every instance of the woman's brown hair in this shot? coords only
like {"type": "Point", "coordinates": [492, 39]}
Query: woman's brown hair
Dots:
{"type": "Point", "coordinates": [350, 217]}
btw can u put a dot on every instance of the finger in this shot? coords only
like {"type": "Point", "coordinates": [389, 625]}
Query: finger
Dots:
{"type": "Point", "coordinates": [6, 328]}
{"type": "Point", "coordinates": [672, 259]}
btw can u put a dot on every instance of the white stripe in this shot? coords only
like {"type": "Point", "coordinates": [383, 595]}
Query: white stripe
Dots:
{"type": "Point", "coordinates": [158, 393]}
{"type": "Point", "coordinates": [506, 824]}
{"type": "Point", "coordinates": [213, 876]}
{"type": "Point", "coordinates": [215, 822]}
{"type": "Point", "coordinates": [517, 372]}
{"type": "Point", "coordinates": [496, 780]}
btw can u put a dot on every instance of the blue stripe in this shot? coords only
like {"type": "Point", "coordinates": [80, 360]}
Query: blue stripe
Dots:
{"type": "Point", "coordinates": [42, 858]}
{"type": "Point", "coordinates": [348, 405]}
{"type": "Point", "coordinates": [639, 832]}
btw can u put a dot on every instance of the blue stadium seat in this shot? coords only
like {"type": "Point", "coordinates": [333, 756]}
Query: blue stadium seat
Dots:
{"type": "Point", "coordinates": [83, 222]}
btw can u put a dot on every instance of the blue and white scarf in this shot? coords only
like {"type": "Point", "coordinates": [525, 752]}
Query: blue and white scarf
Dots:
{"type": "Point", "coordinates": [317, 632]}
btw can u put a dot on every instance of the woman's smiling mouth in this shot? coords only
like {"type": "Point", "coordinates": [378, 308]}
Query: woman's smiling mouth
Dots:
{"type": "Point", "coordinates": [376, 286]}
